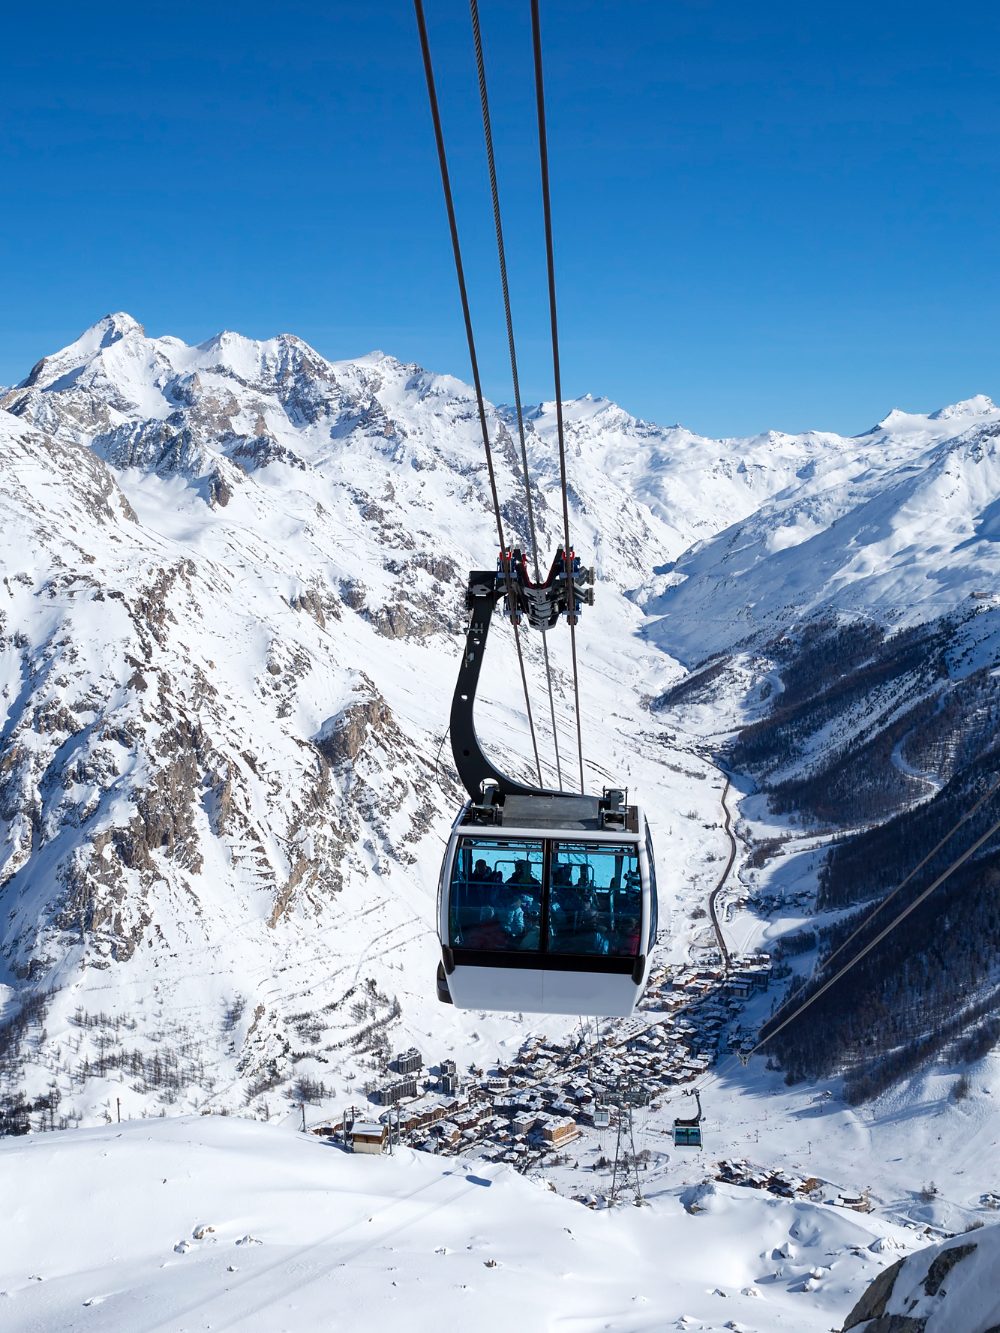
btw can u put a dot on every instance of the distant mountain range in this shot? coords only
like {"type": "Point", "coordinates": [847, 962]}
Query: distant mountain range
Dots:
{"type": "Point", "coordinates": [232, 580]}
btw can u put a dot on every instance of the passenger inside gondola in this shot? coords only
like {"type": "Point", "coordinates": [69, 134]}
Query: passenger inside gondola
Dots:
{"type": "Point", "coordinates": [591, 904]}
{"type": "Point", "coordinates": [583, 936]}
{"type": "Point", "coordinates": [628, 937]}
{"type": "Point", "coordinates": [495, 895]}
{"type": "Point", "coordinates": [486, 933]}
{"type": "Point", "coordinates": [595, 899]}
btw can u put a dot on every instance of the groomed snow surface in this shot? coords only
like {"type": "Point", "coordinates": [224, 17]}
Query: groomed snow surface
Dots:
{"type": "Point", "coordinates": [218, 1223]}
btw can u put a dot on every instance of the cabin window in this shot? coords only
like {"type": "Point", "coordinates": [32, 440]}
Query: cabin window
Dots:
{"type": "Point", "coordinates": [542, 896]}
{"type": "Point", "coordinates": [496, 894]}
{"type": "Point", "coordinates": [595, 899]}
{"type": "Point", "coordinates": [653, 925]}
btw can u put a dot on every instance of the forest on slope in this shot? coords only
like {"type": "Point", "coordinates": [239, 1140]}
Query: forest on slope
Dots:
{"type": "Point", "coordinates": [892, 738]}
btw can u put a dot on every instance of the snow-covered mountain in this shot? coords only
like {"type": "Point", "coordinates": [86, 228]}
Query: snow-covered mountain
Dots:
{"type": "Point", "coordinates": [899, 525]}
{"type": "Point", "coordinates": [232, 581]}
{"type": "Point", "coordinates": [229, 625]}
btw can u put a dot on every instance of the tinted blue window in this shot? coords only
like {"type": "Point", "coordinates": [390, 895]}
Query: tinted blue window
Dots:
{"type": "Point", "coordinates": [495, 898]}
{"type": "Point", "coordinates": [595, 899]}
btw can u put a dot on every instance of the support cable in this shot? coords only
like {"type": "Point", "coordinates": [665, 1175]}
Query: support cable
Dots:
{"type": "Point", "coordinates": [460, 274]}
{"type": "Point", "coordinates": [502, 256]}
{"type": "Point", "coordinates": [870, 916]}
{"type": "Point", "coordinates": [921, 897]}
{"type": "Point", "coordinates": [543, 155]}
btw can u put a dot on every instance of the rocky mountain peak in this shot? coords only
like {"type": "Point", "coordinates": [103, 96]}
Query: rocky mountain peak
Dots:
{"type": "Point", "coordinates": [979, 405]}
{"type": "Point", "coordinates": [115, 326]}
{"type": "Point", "coordinates": [105, 333]}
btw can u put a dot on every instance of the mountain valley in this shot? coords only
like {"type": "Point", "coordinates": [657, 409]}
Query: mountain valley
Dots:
{"type": "Point", "coordinates": [230, 621]}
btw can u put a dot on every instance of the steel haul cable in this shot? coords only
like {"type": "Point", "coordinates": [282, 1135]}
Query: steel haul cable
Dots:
{"type": "Point", "coordinates": [502, 256]}
{"type": "Point", "coordinates": [543, 155]}
{"type": "Point", "coordinates": [945, 874]}
{"type": "Point", "coordinates": [460, 274]}
{"type": "Point", "coordinates": [870, 916]}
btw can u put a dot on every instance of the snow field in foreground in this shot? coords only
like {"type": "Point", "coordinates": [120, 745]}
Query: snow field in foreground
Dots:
{"type": "Point", "coordinates": [212, 1222]}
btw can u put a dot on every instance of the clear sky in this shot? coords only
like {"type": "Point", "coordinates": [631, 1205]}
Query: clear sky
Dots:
{"type": "Point", "coordinates": [767, 215]}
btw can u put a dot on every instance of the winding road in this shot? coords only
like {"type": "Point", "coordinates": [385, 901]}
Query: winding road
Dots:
{"type": "Point", "coordinates": [713, 896]}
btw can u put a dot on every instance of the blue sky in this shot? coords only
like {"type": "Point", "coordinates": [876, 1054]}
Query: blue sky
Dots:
{"type": "Point", "coordinates": [766, 215]}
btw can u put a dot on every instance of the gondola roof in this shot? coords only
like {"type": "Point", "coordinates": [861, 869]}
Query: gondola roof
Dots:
{"type": "Point", "coordinates": [549, 813]}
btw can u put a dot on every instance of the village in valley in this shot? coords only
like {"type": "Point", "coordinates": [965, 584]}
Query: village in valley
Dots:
{"type": "Point", "coordinates": [555, 1102]}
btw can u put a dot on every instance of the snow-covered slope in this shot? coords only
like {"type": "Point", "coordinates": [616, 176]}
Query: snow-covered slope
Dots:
{"type": "Point", "coordinates": [216, 1223]}
{"type": "Point", "coordinates": [900, 524]}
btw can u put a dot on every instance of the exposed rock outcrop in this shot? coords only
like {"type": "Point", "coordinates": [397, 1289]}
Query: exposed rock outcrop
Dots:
{"type": "Point", "coordinates": [946, 1288]}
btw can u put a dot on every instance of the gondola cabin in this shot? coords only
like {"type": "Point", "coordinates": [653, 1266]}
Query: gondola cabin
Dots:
{"type": "Point", "coordinates": [547, 904]}
{"type": "Point", "coordinates": [687, 1132]}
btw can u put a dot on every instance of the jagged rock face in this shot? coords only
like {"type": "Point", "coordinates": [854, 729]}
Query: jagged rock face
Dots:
{"type": "Point", "coordinates": [117, 736]}
{"type": "Point", "coordinates": [947, 1288]}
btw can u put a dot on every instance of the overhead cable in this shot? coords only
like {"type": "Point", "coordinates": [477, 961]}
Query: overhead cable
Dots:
{"type": "Point", "coordinates": [543, 154]}
{"type": "Point", "coordinates": [502, 256]}
{"type": "Point", "coordinates": [460, 274]}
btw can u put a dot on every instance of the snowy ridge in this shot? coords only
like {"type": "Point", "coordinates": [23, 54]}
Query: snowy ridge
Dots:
{"type": "Point", "coordinates": [221, 1223]}
{"type": "Point", "coordinates": [900, 524]}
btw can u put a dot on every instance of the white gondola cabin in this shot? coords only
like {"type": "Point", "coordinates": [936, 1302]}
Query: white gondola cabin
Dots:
{"type": "Point", "coordinates": [550, 909]}
{"type": "Point", "coordinates": [547, 900]}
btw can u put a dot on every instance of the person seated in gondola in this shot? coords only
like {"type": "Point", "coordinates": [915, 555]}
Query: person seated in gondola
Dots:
{"type": "Point", "coordinates": [560, 893]}
{"type": "Point", "coordinates": [489, 933]}
{"type": "Point", "coordinates": [570, 901]}
{"type": "Point", "coordinates": [479, 896]}
{"type": "Point", "coordinates": [522, 877]}
{"type": "Point", "coordinates": [521, 917]}
{"type": "Point", "coordinates": [627, 937]}
{"type": "Point", "coordinates": [585, 938]}
{"type": "Point", "coordinates": [585, 886]}
{"type": "Point", "coordinates": [520, 908]}
{"type": "Point", "coordinates": [633, 891]}
{"type": "Point", "coordinates": [531, 916]}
